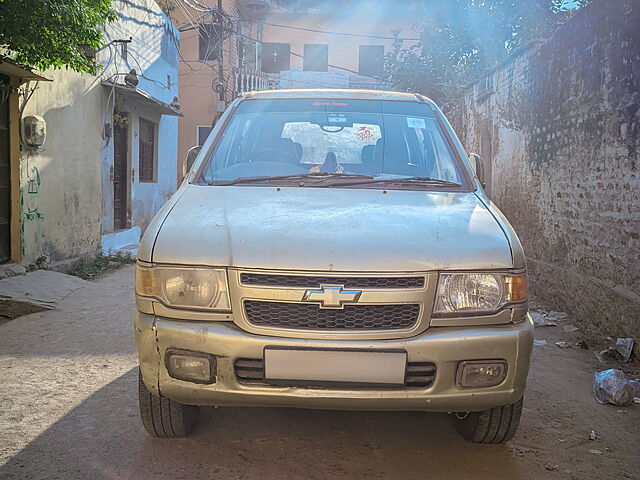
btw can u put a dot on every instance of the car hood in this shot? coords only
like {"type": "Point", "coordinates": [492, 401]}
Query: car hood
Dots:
{"type": "Point", "coordinates": [324, 229]}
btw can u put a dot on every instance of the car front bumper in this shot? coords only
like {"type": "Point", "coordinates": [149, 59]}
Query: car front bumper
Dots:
{"type": "Point", "coordinates": [445, 347]}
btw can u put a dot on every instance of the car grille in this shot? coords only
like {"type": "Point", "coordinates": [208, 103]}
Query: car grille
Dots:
{"type": "Point", "coordinates": [303, 281]}
{"type": "Point", "coordinates": [251, 371]}
{"type": "Point", "coordinates": [311, 317]}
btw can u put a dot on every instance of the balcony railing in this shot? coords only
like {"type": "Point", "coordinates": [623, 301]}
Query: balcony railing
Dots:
{"type": "Point", "coordinates": [247, 80]}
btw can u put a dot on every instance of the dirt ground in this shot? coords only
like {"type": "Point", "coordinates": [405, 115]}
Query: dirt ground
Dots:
{"type": "Point", "coordinates": [68, 409]}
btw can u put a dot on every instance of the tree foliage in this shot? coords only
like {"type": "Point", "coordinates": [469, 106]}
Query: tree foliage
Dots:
{"type": "Point", "coordinates": [461, 40]}
{"type": "Point", "coordinates": [54, 33]}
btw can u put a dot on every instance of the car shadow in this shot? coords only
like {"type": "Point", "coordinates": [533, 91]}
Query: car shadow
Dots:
{"type": "Point", "coordinates": [103, 438]}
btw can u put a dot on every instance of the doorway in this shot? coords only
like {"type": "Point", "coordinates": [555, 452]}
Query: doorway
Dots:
{"type": "Point", "coordinates": [5, 174]}
{"type": "Point", "coordinates": [120, 171]}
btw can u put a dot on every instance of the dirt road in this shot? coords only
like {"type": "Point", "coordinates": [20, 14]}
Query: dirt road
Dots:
{"type": "Point", "coordinates": [68, 409]}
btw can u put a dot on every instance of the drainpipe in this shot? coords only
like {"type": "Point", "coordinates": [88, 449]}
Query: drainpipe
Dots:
{"type": "Point", "coordinates": [221, 61]}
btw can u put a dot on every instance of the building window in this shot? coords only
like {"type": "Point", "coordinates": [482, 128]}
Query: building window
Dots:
{"type": "Point", "coordinates": [371, 60]}
{"type": "Point", "coordinates": [147, 151]}
{"type": "Point", "coordinates": [203, 133]}
{"type": "Point", "coordinates": [276, 57]}
{"type": "Point", "coordinates": [208, 43]}
{"type": "Point", "coordinates": [316, 57]}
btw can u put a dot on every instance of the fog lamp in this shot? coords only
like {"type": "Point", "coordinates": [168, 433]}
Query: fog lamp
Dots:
{"type": "Point", "coordinates": [191, 366]}
{"type": "Point", "coordinates": [478, 374]}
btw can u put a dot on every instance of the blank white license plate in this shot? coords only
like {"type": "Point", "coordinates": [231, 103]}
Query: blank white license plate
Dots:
{"type": "Point", "coordinates": [335, 366]}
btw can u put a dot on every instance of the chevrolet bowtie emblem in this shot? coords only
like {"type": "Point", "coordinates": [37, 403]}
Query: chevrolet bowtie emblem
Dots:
{"type": "Point", "coordinates": [331, 296]}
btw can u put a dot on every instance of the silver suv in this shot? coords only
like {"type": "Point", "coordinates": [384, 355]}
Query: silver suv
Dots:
{"type": "Point", "coordinates": [333, 249]}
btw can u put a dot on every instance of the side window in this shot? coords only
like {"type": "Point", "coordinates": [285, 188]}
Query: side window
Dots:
{"type": "Point", "coordinates": [203, 132]}
{"type": "Point", "coordinates": [371, 59]}
{"type": "Point", "coordinates": [147, 151]}
{"type": "Point", "coordinates": [208, 43]}
{"type": "Point", "coordinates": [436, 153]}
{"type": "Point", "coordinates": [276, 57]}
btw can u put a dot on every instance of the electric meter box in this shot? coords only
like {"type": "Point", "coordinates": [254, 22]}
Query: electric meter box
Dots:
{"type": "Point", "coordinates": [34, 130]}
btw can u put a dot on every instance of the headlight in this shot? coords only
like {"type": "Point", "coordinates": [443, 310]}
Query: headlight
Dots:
{"type": "Point", "coordinates": [185, 287]}
{"type": "Point", "coordinates": [478, 293]}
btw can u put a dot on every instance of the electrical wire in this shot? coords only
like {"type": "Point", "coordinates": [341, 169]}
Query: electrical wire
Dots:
{"type": "Point", "coordinates": [143, 75]}
{"type": "Point", "coordinates": [194, 24]}
{"type": "Point", "coordinates": [337, 67]}
{"type": "Point", "coordinates": [197, 9]}
{"type": "Point", "coordinates": [28, 93]}
{"type": "Point", "coordinates": [198, 26]}
{"type": "Point", "coordinates": [344, 34]}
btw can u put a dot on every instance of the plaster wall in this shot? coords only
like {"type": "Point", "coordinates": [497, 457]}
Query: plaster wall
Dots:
{"type": "Point", "coordinates": [355, 18]}
{"type": "Point", "coordinates": [60, 182]}
{"type": "Point", "coordinates": [559, 126]}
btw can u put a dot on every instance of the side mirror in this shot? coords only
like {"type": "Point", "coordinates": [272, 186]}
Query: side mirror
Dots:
{"type": "Point", "coordinates": [478, 166]}
{"type": "Point", "coordinates": [192, 153]}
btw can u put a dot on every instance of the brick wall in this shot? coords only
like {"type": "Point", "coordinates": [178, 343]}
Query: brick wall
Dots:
{"type": "Point", "coordinates": [559, 126]}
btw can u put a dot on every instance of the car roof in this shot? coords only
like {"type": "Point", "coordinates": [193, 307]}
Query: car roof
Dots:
{"type": "Point", "coordinates": [336, 93]}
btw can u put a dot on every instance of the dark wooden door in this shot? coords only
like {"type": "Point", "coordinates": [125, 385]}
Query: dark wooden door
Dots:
{"type": "Point", "coordinates": [120, 176]}
{"type": "Point", "coordinates": [5, 176]}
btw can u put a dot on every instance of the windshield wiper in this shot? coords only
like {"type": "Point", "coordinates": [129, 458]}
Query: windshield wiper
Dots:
{"type": "Point", "coordinates": [298, 176]}
{"type": "Point", "coordinates": [432, 182]}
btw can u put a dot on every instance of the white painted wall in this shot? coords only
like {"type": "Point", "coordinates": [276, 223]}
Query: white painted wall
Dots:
{"type": "Point", "coordinates": [73, 205]}
{"type": "Point", "coordinates": [153, 53]}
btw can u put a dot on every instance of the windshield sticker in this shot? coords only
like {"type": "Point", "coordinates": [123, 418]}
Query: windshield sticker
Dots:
{"type": "Point", "coordinates": [338, 118]}
{"type": "Point", "coordinates": [416, 123]}
{"type": "Point", "coordinates": [364, 134]}
{"type": "Point", "coordinates": [329, 104]}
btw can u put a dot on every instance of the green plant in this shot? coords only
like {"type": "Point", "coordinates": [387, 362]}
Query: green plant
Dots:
{"type": "Point", "coordinates": [90, 268]}
{"type": "Point", "coordinates": [54, 33]}
{"type": "Point", "coordinates": [462, 40]}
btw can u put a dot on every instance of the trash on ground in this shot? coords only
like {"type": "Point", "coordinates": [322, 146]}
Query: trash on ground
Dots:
{"type": "Point", "coordinates": [612, 386]}
{"type": "Point", "coordinates": [539, 342]}
{"type": "Point", "coordinates": [624, 347]}
{"type": "Point", "coordinates": [540, 320]}
{"type": "Point", "coordinates": [570, 328]}
{"type": "Point", "coordinates": [596, 452]}
{"type": "Point", "coordinates": [606, 354]}
{"type": "Point", "coordinates": [557, 316]}
{"type": "Point", "coordinates": [551, 466]}
{"type": "Point", "coordinates": [593, 435]}
{"type": "Point", "coordinates": [563, 344]}
{"type": "Point", "coordinates": [621, 351]}
{"type": "Point", "coordinates": [635, 387]}
{"type": "Point", "coordinates": [582, 344]}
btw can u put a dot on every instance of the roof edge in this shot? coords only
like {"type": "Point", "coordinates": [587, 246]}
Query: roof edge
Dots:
{"type": "Point", "coordinates": [342, 93]}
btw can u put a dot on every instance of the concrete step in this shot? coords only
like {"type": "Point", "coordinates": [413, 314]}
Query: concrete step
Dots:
{"type": "Point", "coordinates": [35, 291]}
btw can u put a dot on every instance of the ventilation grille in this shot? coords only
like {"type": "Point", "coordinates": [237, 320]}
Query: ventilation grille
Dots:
{"type": "Point", "coordinates": [302, 281]}
{"type": "Point", "coordinates": [420, 374]}
{"type": "Point", "coordinates": [308, 316]}
{"type": "Point", "coordinates": [251, 371]}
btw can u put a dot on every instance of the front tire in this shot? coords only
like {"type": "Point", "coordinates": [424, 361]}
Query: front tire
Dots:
{"type": "Point", "coordinates": [163, 417]}
{"type": "Point", "coordinates": [496, 425]}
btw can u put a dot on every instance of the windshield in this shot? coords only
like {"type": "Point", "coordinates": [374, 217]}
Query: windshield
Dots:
{"type": "Point", "coordinates": [380, 140]}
